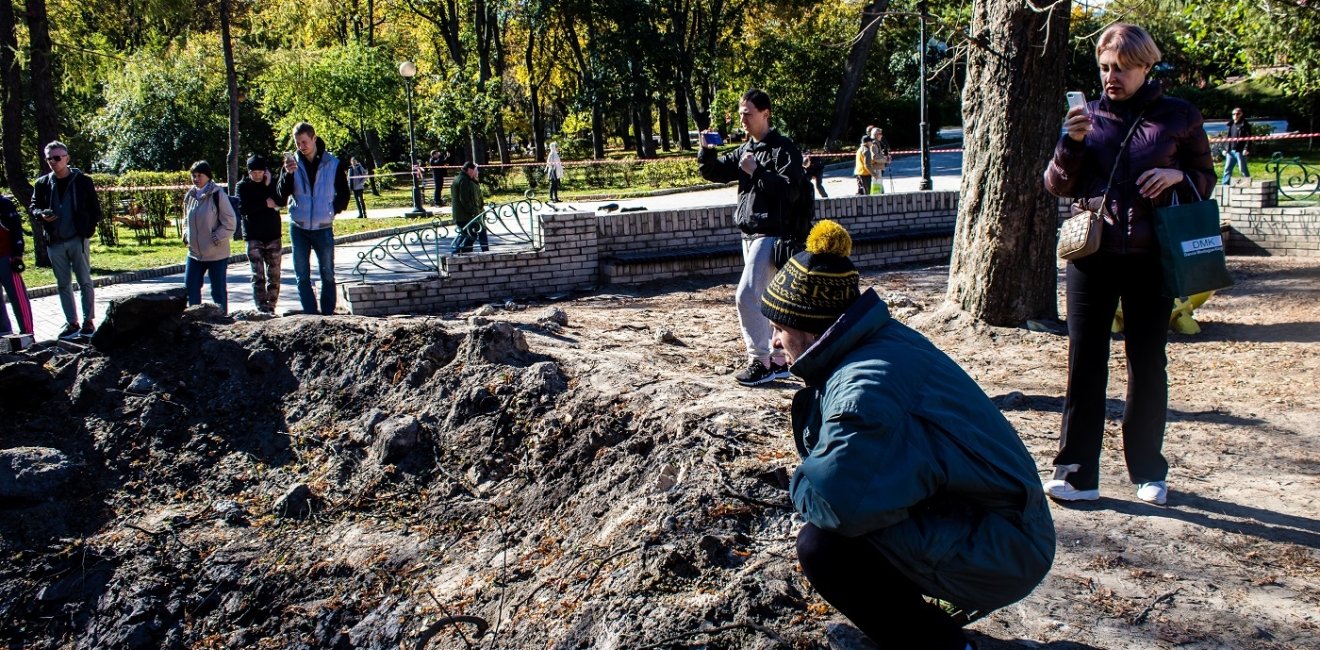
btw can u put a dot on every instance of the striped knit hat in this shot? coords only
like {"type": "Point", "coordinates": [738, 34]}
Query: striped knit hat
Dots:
{"type": "Point", "coordinates": [817, 285]}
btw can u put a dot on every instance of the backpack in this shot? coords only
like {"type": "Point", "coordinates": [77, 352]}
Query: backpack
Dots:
{"type": "Point", "coordinates": [235, 202]}
{"type": "Point", "coordinates": [797, 224]}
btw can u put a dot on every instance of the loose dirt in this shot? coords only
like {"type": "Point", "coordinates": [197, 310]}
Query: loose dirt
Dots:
{"type": "Point", "coordinates": [583, 473]}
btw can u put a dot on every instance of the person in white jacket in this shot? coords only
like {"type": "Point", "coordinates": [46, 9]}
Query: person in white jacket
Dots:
{"type": "Point", "coordinates": [211, 220]}
{"type": "Point", "coordinates": [554, 170]}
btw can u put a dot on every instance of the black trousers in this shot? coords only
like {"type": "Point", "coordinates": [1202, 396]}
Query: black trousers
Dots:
{"type": "Point", "coordinates": [1096, 285]}
{"type": "Point", "coordinates": [854, 577]}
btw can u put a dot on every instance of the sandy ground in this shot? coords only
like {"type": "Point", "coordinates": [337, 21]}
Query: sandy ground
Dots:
{"type": "Point", "coordinates": [1233, 560]}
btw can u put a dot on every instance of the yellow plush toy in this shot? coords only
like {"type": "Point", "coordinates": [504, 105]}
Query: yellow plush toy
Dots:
{"type": "Point", "coordinates": [1180, 319]}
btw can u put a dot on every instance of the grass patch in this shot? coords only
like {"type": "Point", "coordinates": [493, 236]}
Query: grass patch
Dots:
{"type": "Point", "coordinates": [131, 256]}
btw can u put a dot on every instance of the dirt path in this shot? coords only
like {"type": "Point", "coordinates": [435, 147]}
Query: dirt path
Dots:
{"type": "Point", "coordinates": [1234, 558]}
{"type": "Point", "coordinates": [585, 474]}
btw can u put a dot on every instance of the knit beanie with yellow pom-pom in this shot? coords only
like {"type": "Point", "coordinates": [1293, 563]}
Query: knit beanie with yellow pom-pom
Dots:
{"type": "Point", "coordinates": [817, 285]}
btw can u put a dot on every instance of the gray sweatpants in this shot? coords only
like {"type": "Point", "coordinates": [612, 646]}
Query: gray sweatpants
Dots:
{"type": "Point", "coordinates": [70, 259]}
{"type": "Point", "coordinates": [758, 271]}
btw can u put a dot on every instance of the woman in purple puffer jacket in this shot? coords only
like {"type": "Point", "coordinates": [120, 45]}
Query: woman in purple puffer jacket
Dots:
{"type": "Point", "coordinates": [1168, 152]}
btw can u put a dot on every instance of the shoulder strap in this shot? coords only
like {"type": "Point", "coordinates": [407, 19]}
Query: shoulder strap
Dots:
{"type": "Point", "coordinates": [1104, 201]}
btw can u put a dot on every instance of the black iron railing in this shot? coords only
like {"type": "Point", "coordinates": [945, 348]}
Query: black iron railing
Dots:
{"type": "Point", "coordinates": [1296, 180]}
{"type": "Point", "coordinates": [423, 249]}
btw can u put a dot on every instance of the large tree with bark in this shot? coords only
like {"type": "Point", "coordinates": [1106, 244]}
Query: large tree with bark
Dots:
{"type": "Point", "coordinates": [1003, 270]}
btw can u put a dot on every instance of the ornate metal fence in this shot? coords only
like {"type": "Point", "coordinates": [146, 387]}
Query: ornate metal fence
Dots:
{"type": "Point", "coordinates": [1296, 181]}
{"type": "Point", "coordinates": [422, 249]}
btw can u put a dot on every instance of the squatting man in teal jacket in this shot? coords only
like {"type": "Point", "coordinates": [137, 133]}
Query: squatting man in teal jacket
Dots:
{"type": "Point", "coordinates": [913, 485]}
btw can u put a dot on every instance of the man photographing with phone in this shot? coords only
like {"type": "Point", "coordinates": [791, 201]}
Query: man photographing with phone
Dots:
{"type": "Point", "coordinates": [768, 169]}
{"type": "Point", "coordinates": [65, 202]}
{"type": "Point", "coordinates": [315, 187]}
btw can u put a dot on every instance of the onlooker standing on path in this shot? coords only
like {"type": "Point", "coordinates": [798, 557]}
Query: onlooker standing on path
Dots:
{"type": "Point", "coordinates": [768, 169]}
{"type": "Point", "coordinates": [437, 164]}
{"type": "Point", "coordinates": [554, 170]}
{"type": "Point", "coordinates": [814, 171]}
{"type": "Point", "coordinates": [862, 166]}
{"type": "Point", "coordinates": [11, 268]}
{"type": "Point", "coordinates": [261, 217]}
{"type": "Point", "coordinates": [357, 181]}
{"type": "Point", "coordinates": [210, 223]}
{"type": "Point", "coordinates": [881, 158]}
{"type": "Point", "coordinates": [65, 200]}
{"type": "Point", "coordinates": [1235, 155]}
{"type": "Point", "coordinates": [465, 197]}
{"type": "Point", "coordinates": [312, 210]}
{"type": "Point", "coordinates": [1166, 152]}
{"type": "Point", "coordinates": [912, 483]}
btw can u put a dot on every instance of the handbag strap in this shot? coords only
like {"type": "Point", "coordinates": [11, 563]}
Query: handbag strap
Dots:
{"type": "Point", "coordinates": [1104, 201]}
{"type": "Point", "coordinates": [1173, 199]}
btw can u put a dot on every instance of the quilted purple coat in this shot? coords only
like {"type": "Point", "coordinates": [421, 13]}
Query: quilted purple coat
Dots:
{"type": "Point", "coordinates": [1170, 134]}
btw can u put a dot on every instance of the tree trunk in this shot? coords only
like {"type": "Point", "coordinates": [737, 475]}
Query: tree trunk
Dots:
{"type": "Point", "coordinates": [662, 112]}
{"type": "Point", "coordinates": [373, 150]}
{"type": "Point", "coordinates": [231, 79]}
{"type": "Point", "coordinates": [1003, 269]}
{"type": "Point", "coordinates": [681, 119]}
{"type": "Point", "coordinates": [597, 133]}
{"type": "Point", "coordinates": [43, 77]}
{"type": "Point", "coordinates": [853, 67]}
{"type": "Point", "coordinates": [11, 107]}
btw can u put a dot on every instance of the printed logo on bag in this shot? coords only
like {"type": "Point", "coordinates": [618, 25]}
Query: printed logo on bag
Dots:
{"type": "Point", "coordinates": [1203, 245]}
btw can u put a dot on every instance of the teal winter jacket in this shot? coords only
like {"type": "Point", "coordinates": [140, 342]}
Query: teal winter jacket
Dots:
{"type": "Point", "coordinates": [901, 446]}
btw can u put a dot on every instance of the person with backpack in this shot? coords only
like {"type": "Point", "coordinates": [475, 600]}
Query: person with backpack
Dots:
{"type": "Point", "coordinates": [65, 203]}
{"type": "Point", "coordinates": [11, 269]}
{"type": "Point", "coordinates": [210, 220]}
{"type": "Point", "coordinates": [768, 169]}
{"type": "Point", "coordinates": [261, 220]}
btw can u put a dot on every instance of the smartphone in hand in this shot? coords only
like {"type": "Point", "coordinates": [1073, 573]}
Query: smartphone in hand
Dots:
{"type": "Point", "coordinates": [1076, 99]}
{"type": "Point", "coordinates": [712, 139]}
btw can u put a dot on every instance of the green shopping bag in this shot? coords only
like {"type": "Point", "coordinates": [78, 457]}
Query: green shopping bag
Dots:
{"type": "Point", "coordinates": [1191, 247]}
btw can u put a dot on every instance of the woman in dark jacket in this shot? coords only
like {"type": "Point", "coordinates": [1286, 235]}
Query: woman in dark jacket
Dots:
{"type": "Point", "coordinates": [1167, 152]}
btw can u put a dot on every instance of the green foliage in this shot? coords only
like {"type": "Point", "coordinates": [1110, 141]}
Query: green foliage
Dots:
{"type": "Point", "coordinates": [165, 110]}
{"type": "Point", "coordinates": [340, 90]}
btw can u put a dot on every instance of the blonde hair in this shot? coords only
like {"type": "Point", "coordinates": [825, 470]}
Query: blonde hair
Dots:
{"type": "Point", "coordinates": [1133, 45]}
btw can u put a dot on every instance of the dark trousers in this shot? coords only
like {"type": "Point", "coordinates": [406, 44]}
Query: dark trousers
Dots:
{"type": "Point", "coordinates": [854, 577]}
{"type": "Point", "coordinates": [217, 271]}
{"type": "Point", "coordinates": [361, 204]}
{"type": "Point", "coordinates": [864, 185]}
{"type": "Point", "coordinates": [322, 242]}
{"type": "Point", "coordinates": [554, 188]}
{"type": "Point", "coordinates": [439, 197]}
{"type": "Point", "coordinates": [474, 232]}
{"type": "Point", "coordinates": [1096, 284]}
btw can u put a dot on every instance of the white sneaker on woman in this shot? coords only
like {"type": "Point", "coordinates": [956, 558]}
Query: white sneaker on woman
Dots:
{"type": "Point", "coordinates": [1060, 489]}
{"type": "Point", "coordinates": [1156, 492]}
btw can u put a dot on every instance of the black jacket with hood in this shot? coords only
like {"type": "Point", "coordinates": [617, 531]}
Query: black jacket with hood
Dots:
{"type": "Point", "coordinates": [86, 207]}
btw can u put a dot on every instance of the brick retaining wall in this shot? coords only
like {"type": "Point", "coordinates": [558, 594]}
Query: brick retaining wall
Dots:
{"type": "Point", "coordinates": [578, 250]}
{"type": "Point", "coordinates": [1258, 226]}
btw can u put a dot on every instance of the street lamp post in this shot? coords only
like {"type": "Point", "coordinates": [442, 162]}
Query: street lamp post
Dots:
{"type": "Point", "coordinates": [409, 70]}
{"type": "Point", "coordinates": [925, 142]}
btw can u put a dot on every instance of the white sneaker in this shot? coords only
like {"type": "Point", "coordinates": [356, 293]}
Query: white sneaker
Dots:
{"type": "Point", "coordinates": [1156, 492]}
{"type": "Point", "coordinates": [1061, 490]}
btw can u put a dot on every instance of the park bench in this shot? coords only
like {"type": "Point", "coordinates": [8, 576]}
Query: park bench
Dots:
{"type": "Point", "coordinates": [131, 216]}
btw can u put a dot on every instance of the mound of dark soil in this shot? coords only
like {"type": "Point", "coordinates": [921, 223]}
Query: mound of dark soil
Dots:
{"type": "Point", "coordinates": [365, 483]}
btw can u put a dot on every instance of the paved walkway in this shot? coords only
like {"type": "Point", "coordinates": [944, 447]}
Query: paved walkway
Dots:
{"type": "Point", "coordinates": [48, 317]}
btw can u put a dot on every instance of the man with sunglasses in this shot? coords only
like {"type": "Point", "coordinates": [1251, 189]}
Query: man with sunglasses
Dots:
{"type": "Point", "coordinates": [64, 202]}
